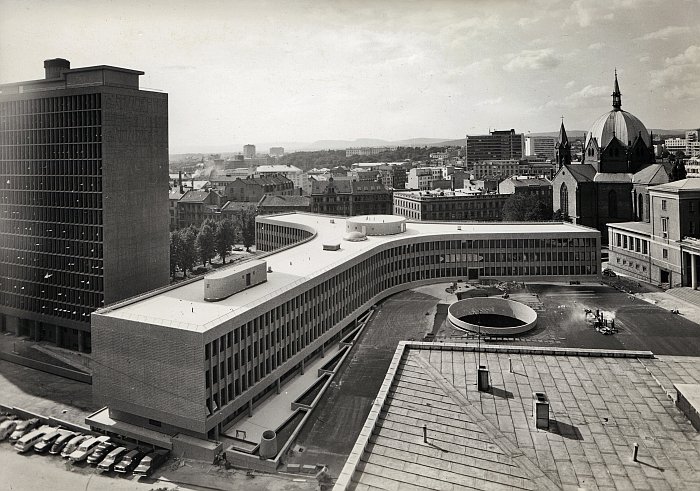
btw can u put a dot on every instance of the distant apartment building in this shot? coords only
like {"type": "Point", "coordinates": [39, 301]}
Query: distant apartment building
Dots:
{"type": "Point", "coordinates": [690, 145]}
{"type": "Point", "coordinates": [530, 186]}
{"type": "Point", "coordinates": [251, 189]}
{"type": "Point", "coordinates": [291, 172]}
{"type": "Point", "coordinates": [391, 174]}
{"type": "Point", "coordinates": [196, 206]}
{"type": "Point", "coordinates": [83, 198]}
{"type": "Point", "coordinates": [174, 197]}
{"type": "Point", "coordinates": [349, 198]}
{"type": "Point", "coordinates": [449, 205]}
{"type": "Point", "coordinates": [497, 145]}
{"type": "Point", "coordinates": [249, 151]}
{"type": "Point", "coordinates": [276, 152]}
{"type": "Point", "coordinates": [349, 152]}
{"type": "Point", "coordinates": [363, 174]}
{"type": "Point", "coordinates": [540, 146]}
{"type": "Point", "coordinates": [484, 169]}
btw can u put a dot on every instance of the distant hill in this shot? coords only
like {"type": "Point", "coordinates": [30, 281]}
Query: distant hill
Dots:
{"type": "Point", "coordinates": [370, 142]}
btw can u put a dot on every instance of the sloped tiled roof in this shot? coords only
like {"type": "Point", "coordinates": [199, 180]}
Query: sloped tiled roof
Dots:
{"type": "Point", "coordinates": [284, 201]}
{"type": "Point", "coordinates": [581, 172]}
{"type": "Point", "coordinates": [652, 174]}
{"type": "Point", "coordinates": [600, 405]}
{"type": "Point", "coordinates": [196, 196]}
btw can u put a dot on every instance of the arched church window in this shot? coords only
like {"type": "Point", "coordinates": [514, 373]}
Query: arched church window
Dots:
{"type": "Point", "coordinates": [564, 200]}
{"type": "Point", "coordinates": [612, 204]}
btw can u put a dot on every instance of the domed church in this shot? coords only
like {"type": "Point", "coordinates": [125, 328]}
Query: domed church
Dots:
{"type": "Point", "coordinates": [611, 183]}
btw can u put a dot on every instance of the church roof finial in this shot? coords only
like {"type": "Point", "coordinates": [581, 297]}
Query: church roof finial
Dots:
{"type": "Point", "coordinates": [563, 138]}
{"type": "Point", "coordinates": [617, 95]}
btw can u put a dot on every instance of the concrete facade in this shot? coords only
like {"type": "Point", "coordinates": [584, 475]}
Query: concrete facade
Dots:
{"type": "Point", "coordinates": [84, 174]}
{"type": "Point", "coordinates": [229, 354]}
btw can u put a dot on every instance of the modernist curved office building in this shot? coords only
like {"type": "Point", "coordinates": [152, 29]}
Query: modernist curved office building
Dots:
{"type": "Point", "coordinates": [191, 358]}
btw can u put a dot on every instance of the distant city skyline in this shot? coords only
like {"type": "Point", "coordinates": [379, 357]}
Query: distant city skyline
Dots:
{"type": "Point", "coordinates": [279, 72]}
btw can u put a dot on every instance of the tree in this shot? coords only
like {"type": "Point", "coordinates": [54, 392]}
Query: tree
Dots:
{"type": "Point", "coordinates": [526, 208]}
{"type": "Point", "coordinates": [206, 241]}
{"type": "Point", "coordinates": [188, 249]}
{"type": "Point", "coordinates": [247, 225]}
{"type": "Point", "coordinates": [225, 237]}
{"type": "Point", "coordinates": [175, 251]}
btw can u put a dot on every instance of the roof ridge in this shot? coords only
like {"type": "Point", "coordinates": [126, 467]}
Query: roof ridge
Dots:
{"type": "Point", "coordinates": [531, 469]}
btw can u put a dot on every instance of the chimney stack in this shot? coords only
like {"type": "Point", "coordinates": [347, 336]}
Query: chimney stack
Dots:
{"type": "Point", "coordinates": [179, 181]}
{"type": "Point", "coordinates": [54, 68]}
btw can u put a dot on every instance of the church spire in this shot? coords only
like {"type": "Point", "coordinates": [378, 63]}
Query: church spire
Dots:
{"type": "Point", "coordinates": [617, 95]}
{"type": "Point", "coordinates": [563, 147]}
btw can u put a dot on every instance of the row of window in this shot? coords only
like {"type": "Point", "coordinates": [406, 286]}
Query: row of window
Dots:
{"type": "Point", "coordinates": [73, 248]}
{"type": "Point", "coordinates": [73, 199]}
{"type": "Point", "coordinates": [41, 132]}
{"type": "Point", "coordinates": [57, 168]}
{"type": "Point", "coordinates": [271, 237]}
{"type": "Point", "coordinates": [57, 308]}
{"type": "Point", "coordinates": [249, 352]}
{"type": "Point", "coordinates": [51, 263]}
{"type": "Point", "coordinates": [50, 151]}
{"type": "Point", "coordinates": [76, 216]}
{"type": "Point", "coordinates": [48, 184]}
{"type": "Point", "coordinates": [81, 102]}
{"type": "Point", "coordinates": [632, 265]}
{"type": "Point", "coordinates": [45, 283]}
{"type": "Point", "coordinates": [632, 243]}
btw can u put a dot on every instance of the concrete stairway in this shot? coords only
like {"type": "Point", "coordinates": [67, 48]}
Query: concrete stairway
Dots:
{"type": "Point", "coordinates": [686, 294]}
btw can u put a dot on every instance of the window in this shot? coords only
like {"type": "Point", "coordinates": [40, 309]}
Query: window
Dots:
{"type": "Point", "coordinates": [665, 253]}
{"type": "Point", "coordinates": [564, 200]}
{"type": "Point", "coordinates": [154, 422]}
{"type": "Point", "coordinates": [664, 226]}
{"type": "Point", "coordinates": [663, 204]}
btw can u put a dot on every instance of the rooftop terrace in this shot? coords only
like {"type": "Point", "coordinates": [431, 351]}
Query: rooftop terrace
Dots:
{"type": "Point", "coordinates": [183, 306]}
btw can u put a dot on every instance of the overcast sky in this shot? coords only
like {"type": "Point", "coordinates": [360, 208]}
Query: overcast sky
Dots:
{"type": "Point", "coordinates": [283, 71]}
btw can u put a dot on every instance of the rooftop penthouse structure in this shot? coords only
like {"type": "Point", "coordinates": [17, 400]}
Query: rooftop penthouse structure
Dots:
{"type": "Point", "coordinates": [229, 349]}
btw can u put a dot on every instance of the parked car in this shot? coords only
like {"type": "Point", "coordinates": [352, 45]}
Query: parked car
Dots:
{"type": "Point", "coordinates": [112, 458]}
{"type": "Point", "coordinates": [609, 272]}
{"type": "Point", "coordinates": [100, 452]}
{"type": "Point", "coordinates": [128, 462]}
{"type": "Point", "coordinates": [73, 444]}
{"type": "Point", "coordinates": [47, 440]}
{"type": "Point", "coordinates": [30, 439]}
{"type": "Point", "coordinates": [86, 448]}
{"type": "Point", "coordinates": [7, 427]}
{"type": "Point", "coordinates": [60, 443]}
{"type": "Point", "coordinates": [23, 428]}
{"type": "Point", "coordinates": [7, 416]}
{"type": "Point", "coordinates": [151, 462]}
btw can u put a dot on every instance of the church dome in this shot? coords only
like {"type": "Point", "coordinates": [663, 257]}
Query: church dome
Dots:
{"type": "Point", "coordinates": [619, 124]}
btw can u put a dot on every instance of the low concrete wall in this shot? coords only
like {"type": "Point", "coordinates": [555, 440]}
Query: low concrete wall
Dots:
{"type": "Point", "coordinates": [23, 413]}
{"type": "Point", "coordinates": [491, 305]}
{"type": "Point", "coordinates": [45, 367]}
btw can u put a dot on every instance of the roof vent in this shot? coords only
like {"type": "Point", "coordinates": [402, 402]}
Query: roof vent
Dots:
{"type": "Point", "coordinates": [332, 221]}
{"type": "Point", "coordinates": [54, 68]}
{"type": "Point", "coordinates": [540, 409]}
{"type": "Point", "coordinates": [331, 247]}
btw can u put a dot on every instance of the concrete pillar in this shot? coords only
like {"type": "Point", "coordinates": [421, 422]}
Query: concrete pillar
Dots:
{"type": "Point", "coordinates": [250, 408]}
{"type": "Point", "coordinates": [323, 350]}
{"type": "Point", "coordinates": [37, 331]}
{"type": "Point", "coordinates": [302, 367]}
{"type": "Point", "coordinates": [693, 272]}
{"type": "Point", "coordinates": [81, 342]}
{"type": "Point", "coordinates": [279, 386]}
{"type": "Point", "coordinates": [59, 337]}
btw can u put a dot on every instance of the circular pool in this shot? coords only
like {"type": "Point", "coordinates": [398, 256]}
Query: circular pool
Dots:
{"type": "Point", "coordinates": [491, 315]}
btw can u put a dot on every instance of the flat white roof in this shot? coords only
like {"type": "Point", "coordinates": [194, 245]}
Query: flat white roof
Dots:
{"type": "Point", "coordinates": [184, 307]}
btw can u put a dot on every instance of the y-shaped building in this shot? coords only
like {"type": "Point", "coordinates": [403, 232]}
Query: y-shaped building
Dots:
{"type": "Point", "coordinates": [192, 358]}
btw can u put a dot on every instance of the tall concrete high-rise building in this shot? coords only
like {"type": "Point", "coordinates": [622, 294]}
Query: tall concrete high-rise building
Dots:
{"type": "Point", "coordinates": [83, 198]}
{"type": "Point", "coordinates": [497, 145]}
{"type": "Point", "coordinates": [249, 151]}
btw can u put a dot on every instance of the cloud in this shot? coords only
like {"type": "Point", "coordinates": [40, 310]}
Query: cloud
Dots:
{"type": "Point", "coordinates": [665, 33]}
{"type": "Point", "coordinates": [526, 21]}
{"type": "Point", "coordinates": [490, 102]}
{"type": "Point", "coordinates": [680, 77]}
{"type": "Point", "coordinates": [588, 92]}
{"type": "Point", "coordinates": [533, 60]}
{"type": "Point", "coordinates": [596, 46]}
